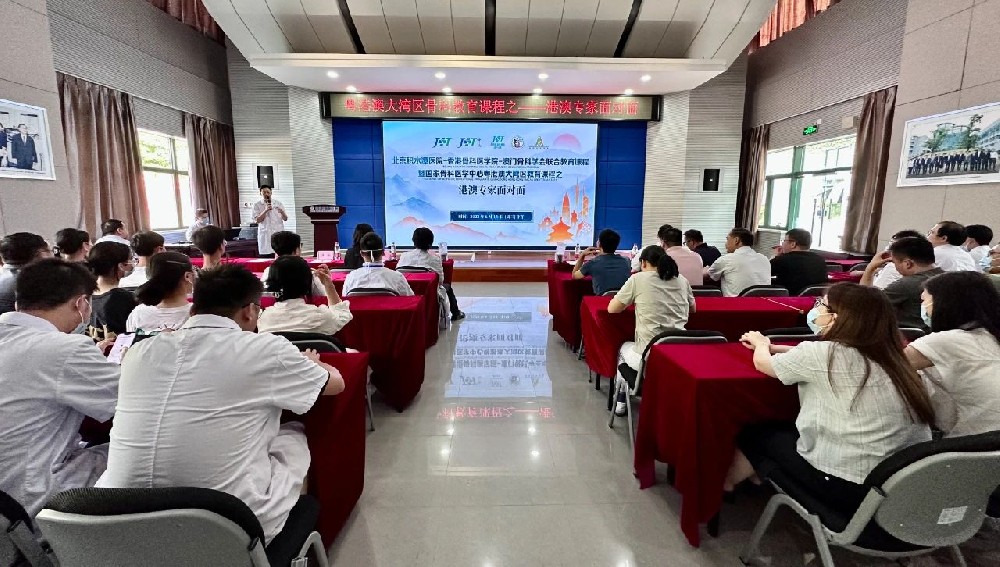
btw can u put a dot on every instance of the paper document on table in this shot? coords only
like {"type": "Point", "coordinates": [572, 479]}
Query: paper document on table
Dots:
{"type": "Point", "coordinates": [122, 343]}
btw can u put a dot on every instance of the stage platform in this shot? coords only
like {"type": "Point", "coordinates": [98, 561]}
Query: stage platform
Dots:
{"type": "Point", "coordinates": [512, 267]}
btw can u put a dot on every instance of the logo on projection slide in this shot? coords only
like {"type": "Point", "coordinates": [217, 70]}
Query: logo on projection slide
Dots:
{"type": "Point", "coordinates": [442, 142]}
{"type": "Point", "coordinates": [497, 143]}
{"type": "Point", "coordinates": [539, 145]}
{"type": "Point", "coordinates": [517, 142]}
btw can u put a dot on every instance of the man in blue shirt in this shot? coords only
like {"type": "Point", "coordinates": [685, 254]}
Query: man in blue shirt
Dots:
{"type": "Point", "coordinates": [607, 270]}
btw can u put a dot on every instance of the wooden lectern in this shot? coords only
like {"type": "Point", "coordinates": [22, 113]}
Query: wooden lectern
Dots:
{"type": "Point", "coordinates": [325, 219]}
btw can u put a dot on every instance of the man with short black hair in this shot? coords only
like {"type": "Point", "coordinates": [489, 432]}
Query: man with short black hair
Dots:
{"type": "Point", "coordinates": [50, 379]}
{"type": "Point", "coordinates": [913, 258]}
{"type": "Point", "coordinates": [270, 216]}
{"type": "Point", "coordinates": [608, 271]}
{"type": "Point", "coordinates": [689, 263]}
{"type": "Point", "coordinates": [144, 244]}
{"type": "Point", "coordinates": [947, 238]}
{"type": "Point", "coordinates": [979, 237]}
{"type": "Point", "coordinates": [211, 418]}
{"type": "Point", "coordinates": [742, 266]}
{"type": "Point", "coordinates": [287, 243]}
{"type": "Point", "coordinates": [660, 233]}
{"type": "Point", "coordinates": [16, 251]}
{"type": "Point", "coordinates": [421, 257]}
{"type": "Point", "coordinates": [888, 274]}
{"type": "Point", "coordinates": [796, 267]}
{"type": "Point", "coordinates": [211, 241]}
{"type": "Point", "coordinates": [373, 274]}
{"type": "Point", "coordinates": [695, 241]}
{"type": "Point", "coordinates": [22, 149]}
{"type": "Point", "coordinates": [113, 230]}
{"type": "Point", "coordinates": [200, 220]}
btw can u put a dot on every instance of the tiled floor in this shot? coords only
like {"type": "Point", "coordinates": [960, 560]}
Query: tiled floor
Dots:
{"type": "Point", "coordinates": [505, 458]}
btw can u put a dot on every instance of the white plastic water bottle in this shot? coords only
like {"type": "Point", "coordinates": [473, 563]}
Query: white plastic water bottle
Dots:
{"type": "Point", "coordinates": [392, 250]}
{"type": "Point", "coordinates": [576, 251]}
{"type": "Point", "coordinates": [635, 250]}
{"type": "Point", "coordinates": [443, 251]}
{"type": "Point", "coordinates": [336, 251]}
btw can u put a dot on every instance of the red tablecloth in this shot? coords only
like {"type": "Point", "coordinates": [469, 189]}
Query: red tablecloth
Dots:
{"type": "Point", "coordinates": [604, 333]}
{"type": "Point", "coordinates": [565, 295]}
{"type": "Point", "coordinates": [695, 400]}
{"type": "Point", "coordinates": [391, 330]}
{"type": "Point", "coordinates": [837, 277]}
{"type": "Point", "coordinates": [336, 430]}
{"type": "Point", "coordinates": [258, 265]}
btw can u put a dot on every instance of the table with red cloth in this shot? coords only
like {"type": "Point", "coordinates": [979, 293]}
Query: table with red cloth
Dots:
{"type": "Point", "coordinates": [695, 401]}
{"type": "Point", "coordinates": [391, 330]}
{"type": "Point", "coordinates": [336, 430]}
{"type": "Point", "coordinates": [258, 265]}
{"type": "Point", "coordinates": [565, 294]}
{"type": "Point", "coordinates": [837, 277]}
{"type": "Point", "coordinates": [604, 332]}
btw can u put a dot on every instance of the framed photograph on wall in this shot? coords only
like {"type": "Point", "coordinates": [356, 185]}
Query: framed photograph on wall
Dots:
{"type": "Point", "coordinates": [25, 145]}
{"type": "Point", "coordinates": [953, 148]}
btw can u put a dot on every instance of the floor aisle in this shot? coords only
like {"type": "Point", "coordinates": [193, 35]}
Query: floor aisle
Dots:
{"type": "Point", "coordinates": [505, 459]}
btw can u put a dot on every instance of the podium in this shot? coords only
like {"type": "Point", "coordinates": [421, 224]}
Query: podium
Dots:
{"type": "Point", "coordinates": [325, 220]}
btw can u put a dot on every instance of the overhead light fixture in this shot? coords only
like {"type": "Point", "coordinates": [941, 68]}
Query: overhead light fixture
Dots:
{"type": "Point", "coordinates": [332, 74]}
{"type": "Point", "coordinates": [628, 92]}
{"type": "Point", "coordinates": [351, 88]}
{"type": "Point", "coordinates": [439, 75]}
{"type": "Point", "coordinates": [537, 90]}
{"type": "Point", "coordinates": [543, 76]}
{"type": "Point", "coordinates": [645, 78]}
{"type": "Point", "coordinates": [446, 90]}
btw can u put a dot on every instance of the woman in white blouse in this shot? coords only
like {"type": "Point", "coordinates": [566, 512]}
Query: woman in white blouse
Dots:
{"type": "Point", "coordinates": [164, 297]}
{"type": "Point", "coordinates": [961, 356]}
{"type": "Point", "coordinates": [291, 279]}
{"type": "Point", "coordinates": [861, 401]}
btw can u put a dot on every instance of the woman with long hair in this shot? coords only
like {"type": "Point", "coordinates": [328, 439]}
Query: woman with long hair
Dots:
{"type": "Point", "coordinates": [72, 244]}
{"type": "Point", "coordinates": [164, 296]}
{"type": "Point", "coordinates": [860, 399]}
{"type": "Point", "coordinates": [291, 280]}
{"type": "Point", "coordinates": [353, 258]}
{"type": "Point", "coordinates": [961, 356]}
{"type": "Point", "coordinates": [110, 262]}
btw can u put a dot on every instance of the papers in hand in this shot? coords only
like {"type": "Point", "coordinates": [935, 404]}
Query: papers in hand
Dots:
{"type": "Point", "coordinates": [122, 344]}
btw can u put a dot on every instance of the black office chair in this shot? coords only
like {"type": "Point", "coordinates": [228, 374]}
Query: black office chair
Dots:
{"type": "Point", "coordinates": [927, 496]}
{"type": "Point", "coordinates": [859, 267]}
{"type": "Point", "coordinates": [815, 290]}
{"type": "Point", "coordinates": [765, 291]}
{"type": "Point", "coordinates": [579, 350]}
{"type": "Point", "coordinates": [370, 291]}
{"type": "Point", "coordinates": [790, 334]}
{"type": "Point", "coordinates": [413, 269]}
{"type": "Point", "coordinates": [706, 291]}
{"type": "Point", "coordinates": [633, 378]}
{"type": "Point", "coordinates": [166, 527]}
{"type": "Point", "coordinates": [19, 545]}
{"type": "Point", "coordinates": [911, 333]}
{"type": "Point", "coordinates": [834, 268]}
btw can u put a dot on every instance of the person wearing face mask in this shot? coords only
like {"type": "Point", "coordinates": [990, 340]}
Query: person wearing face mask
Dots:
{"type": "Point", "coordinates": [961, 356]}
{"type": "Point", "coordinates": [110, 262]}
{"type": "Point", "coordinates": [50, 380]}
{"type": "Point", "coordinates": [164, 297]}
{"type": "Point", "coordinates": [948, 238]}
{"type": "Point", "coordinates": [861, 401]}
{"type": "Point", "coordinates": [913, 259]}
{"type": "Point", "coordinates": [201, 220]}
{"type": "Point", "coordinates": [373, 274]}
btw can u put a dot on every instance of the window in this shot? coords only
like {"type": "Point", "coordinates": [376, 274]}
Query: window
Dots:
{"type": "Point", "coordinates": [808, 187]}
{"type": "Point", "coordinates": [165, 171]}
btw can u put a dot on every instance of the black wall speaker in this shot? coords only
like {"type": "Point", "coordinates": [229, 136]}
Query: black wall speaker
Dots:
{"type": "Point", "coordinates": [710, 180]}
{"type": "Point", "coordinates": [265, 176]}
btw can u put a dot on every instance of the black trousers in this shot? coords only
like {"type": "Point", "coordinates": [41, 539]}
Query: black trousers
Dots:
{"type": "Point", "coordinates": [452, 300]}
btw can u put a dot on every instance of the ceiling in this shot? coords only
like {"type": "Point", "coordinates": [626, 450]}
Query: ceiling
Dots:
{"type": "Point", "coordinates": [300, 35]}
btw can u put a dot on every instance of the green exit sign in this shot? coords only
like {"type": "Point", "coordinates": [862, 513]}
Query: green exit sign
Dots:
{"type": "Point", "coordinates": [810, 130]}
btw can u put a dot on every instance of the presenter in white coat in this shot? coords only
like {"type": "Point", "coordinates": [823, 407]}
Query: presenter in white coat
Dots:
{"type": "Point", "coordinates": [270, 216]}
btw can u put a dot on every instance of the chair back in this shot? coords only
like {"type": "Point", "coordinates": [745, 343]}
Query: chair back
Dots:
{"type": "Point", "coordinates": [765, 291]}
{"type": "Point", "coordinates": [790, 334]}
{"type": "Point", "coordinates": [316, 341]}
{"type": "Point", "coordinates": [611, 292]}
{"type": "Point", "coordinates": [366, 291]}
{"type": "Point", "coordinates": [815, 290]}
{"type": "Point", "coordinates": [18, 542]}
{"type": "Point", "coordinates": [153, 527]}
{"type": "Point", "coordinates": [859, 267]}
{"type": "Point", "coordinates": [834, 268]}
{"type": "Point", "coordinates": [911, 333]}
{"type": "Point", "coordinates": [706, 291]}
{"type": "Point", "coordinates": [937, 492]}
{"type": "Point", "coordinates": [412, 269]}
{"type": "Point", "coordinates": [677, 337]}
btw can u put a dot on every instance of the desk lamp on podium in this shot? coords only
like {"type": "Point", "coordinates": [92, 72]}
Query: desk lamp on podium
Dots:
{"type": "Point", "coordinates": [325, 220]}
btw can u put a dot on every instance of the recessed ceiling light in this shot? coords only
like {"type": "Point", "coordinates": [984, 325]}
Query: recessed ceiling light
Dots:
{"type": "Point", "coordinates": [446, 90]}
{"type": "Point", "coordinates": [439, 75]}
{"type": "Point", "coordinates": [537, 90]}
{"type": "Point", "coordinates": [332, 74]}
{"type": "Point", "coordinates": [628, 92]}
{"type": "Point", "coordinates": [645, 78]}
{"type": "Point", "coordinates": [543, 76]}
{"type": "Point", "coordinates": [351, 88]}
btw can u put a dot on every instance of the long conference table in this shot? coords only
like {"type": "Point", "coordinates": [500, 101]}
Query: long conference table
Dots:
{"type": "Point", "coordinates": [258, 265]}
{"type": "Point", "coordinates": [565, 294]}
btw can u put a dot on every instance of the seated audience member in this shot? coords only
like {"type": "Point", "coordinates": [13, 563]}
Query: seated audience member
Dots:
{"type": "Point", "coordinates": [947, 238]}
{"type": "Point", "coordinates": [420, 257]}
{"type": "Point", "coordinates": [888, 274]}
{"type": "Point", "coordinates": [201, 220]}
{"type": "Point", "coordinates": [16, 251]}
{"type": "Point", "coordinates": [287, 243]}
{"type": "Point", "coordinates": [607, 270]}
{"type": "Point", "coordinates": [211, 241]}
{"type": "Point", "coordinates": [742, 266]}
{"type": "Point", "coordinates": [796, 267]}
{"type": "Point", "coordinates": [72, 245]}
{"type": "Point", "coordinates": [164, 297]}
{"type": "Point", "coordinates": [144, 244]}
{"type": "Point", "coordinates": [694, 240]}
{"type": "Point", "coordinates": [961, 356]}
{"type": "Point", "coordinates": [211, 417]}
{"type": "Point", "coordinates": [663, 300]}
{"type": "Point", "coordinates": [913, 259]}
{"type": "Point", "coordinates": [110, 262]}
{"type": "Point", "coordinates": [352, 258]}
{"type": "Point", "coordinates": [51, 379]}
{"type": "Point", "coordinates": [374, 274]}
{"type": "Point", "coordinates": [860, 399]}
{"type": "Point", "coordinates": [113, 230]}
{"type": "Point", "coordinates": [660, 233]}
{"type": "Point", "coordinates": [688, 263]}
{"type": "Point", "coordinates": [978, 239]}
{"type": "Point", "coordinates": [292, 281]}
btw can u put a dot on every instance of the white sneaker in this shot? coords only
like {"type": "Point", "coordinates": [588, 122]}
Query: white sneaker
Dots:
{"type": "Point", "coordinates": [620, 409]}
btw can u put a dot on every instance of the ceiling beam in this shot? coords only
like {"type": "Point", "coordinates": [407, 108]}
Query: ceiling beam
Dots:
{"type": "Point", "coordinates": [632, 15]}
{"type": "Point", "coordinates": [491, 27]}
{"type": "Point", "coordinates": [345, 12]}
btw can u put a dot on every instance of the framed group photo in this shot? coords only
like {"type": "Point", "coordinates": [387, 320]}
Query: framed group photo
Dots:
{"type": "Point", "coordinates": [953, 148]}
{"type": "Point", "coordinates": [25, 145]}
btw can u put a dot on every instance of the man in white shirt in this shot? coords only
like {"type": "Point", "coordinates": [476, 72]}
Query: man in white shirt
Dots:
{"type": "Point", "coordinates": [688, 263]}
{"type": "Point", "coordinates": [50, 379]}
{"type": "Point", "coordinates": [287, 243]}
{"type": "Point", "coordinates": [420, 257]}
{"type": "Point", "coordinates": [373, 274]}
{"type": "Point", "coordinates": [270, 216]}
{"type": "Point", "coordinates": [660, 233]}
{"type": "Point", "coordinates": [200, 220]}
{"type": "Point", "coordinates": [113, 230]}
{"type": "Point", "coordinates": [979, 237]}
{"type": "Point", "coordinates": [202, 406]}
{"type": "Point", "coordinates": [16, 251]}
{"type": "Point", "coordinates": [742, 266]}
{"type": "Point", "coordinates": [144, 244]}
{"type": "Point", "coordinates": [947, 238]}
